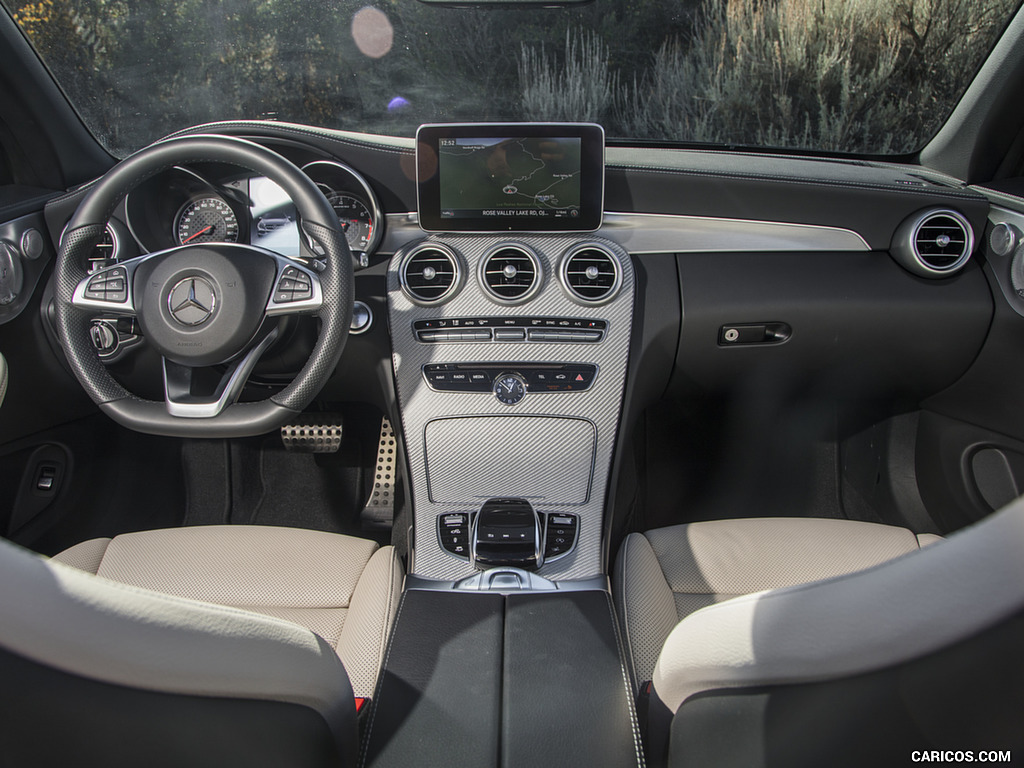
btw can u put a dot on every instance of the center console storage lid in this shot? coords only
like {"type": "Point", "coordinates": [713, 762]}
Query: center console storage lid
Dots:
{"type": "Point", "coordinates": [516, 681]}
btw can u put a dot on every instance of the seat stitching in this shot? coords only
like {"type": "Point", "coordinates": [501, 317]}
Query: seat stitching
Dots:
{"type": "Point", "coordinates": [387, 611]}
{"type": "Point", "coordinates": [625, 604]}
{"type": "Point", "coordinates": [637, 745]}
{"type": "Point", "coordinates": [365, 748]}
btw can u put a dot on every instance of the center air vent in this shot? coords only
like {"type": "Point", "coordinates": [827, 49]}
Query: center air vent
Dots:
{"type": "Point", "coordinates": [430, 273]}
{"type": "Point", "coordinates": [590, 274]}
{"type": "Point", "coordinates": [934, 243]}
{"type": "Point", "coordinates": [510, 273]}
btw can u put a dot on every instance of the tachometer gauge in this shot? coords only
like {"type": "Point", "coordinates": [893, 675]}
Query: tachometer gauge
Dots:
{"type": "Point", "coordinates": [356, 221]}
{"type": "Point", "coordinates": [209, 220]}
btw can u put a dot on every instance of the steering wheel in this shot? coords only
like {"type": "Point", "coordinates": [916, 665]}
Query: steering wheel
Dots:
{"type": "Point", "coordinates": [207, 304]}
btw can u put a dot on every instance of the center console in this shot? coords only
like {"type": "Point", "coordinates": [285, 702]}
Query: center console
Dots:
{"type": "Point", "coordinates": [510, 364]}
{"type": "Point", "coordinates": [510, 325]}
{"type": "Point", "coordinates": [510, 350]}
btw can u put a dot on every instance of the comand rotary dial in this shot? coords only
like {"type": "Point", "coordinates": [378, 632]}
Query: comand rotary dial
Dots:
{"type": "Point", "coordinates": [509, 388]}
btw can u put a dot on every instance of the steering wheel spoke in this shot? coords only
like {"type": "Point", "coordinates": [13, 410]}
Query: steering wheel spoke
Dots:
{"type": "Point", "coordinates": [297, 289]}
{"type": "Point", "coordinates": [108, 290]}
{"type": "Point", "coordinates": [181, 382]}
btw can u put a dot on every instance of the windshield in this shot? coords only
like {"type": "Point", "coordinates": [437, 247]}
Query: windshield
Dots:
{"type": "Point", "coordinates": [851, 76]}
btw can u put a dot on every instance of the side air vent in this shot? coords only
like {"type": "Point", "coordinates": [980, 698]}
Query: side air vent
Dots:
{"type": "Point", "coordinates": [430, 273]}
{"type": "Point", "coordinates": [590, 274]}
{"type": "Point", "coordinates": [934, 243]}
{"type": "Point", "coordinates": [510, 273]}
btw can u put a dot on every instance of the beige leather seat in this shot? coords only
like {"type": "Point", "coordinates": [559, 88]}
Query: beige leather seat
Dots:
{"type": "Point", "coordinates": [204, 646]}
{"type": "Point", "coordinates": [878, 655]}
{"type": "Point", "coordinates": [664, 575]}
{"type": "Point", "coordinates": [343, 588]}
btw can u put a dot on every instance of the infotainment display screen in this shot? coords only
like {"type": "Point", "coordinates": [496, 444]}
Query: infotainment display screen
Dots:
{"type": "Point", "coordinates": [510, 177]}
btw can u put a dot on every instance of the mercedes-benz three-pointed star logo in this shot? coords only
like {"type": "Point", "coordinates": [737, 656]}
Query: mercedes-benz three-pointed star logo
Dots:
{"type": "Point", "coordinates": [192, 301]}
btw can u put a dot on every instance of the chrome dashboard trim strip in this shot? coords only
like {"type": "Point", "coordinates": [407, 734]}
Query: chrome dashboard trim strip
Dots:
{"type": "Point", "coordinates": [643, 233]}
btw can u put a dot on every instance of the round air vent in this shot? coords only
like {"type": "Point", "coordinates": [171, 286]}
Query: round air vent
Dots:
{"type": "Point", "coordinates": [430, 273]}
{"type": "Point", "coordinates": [510, 273]}
{"type": "Point", "coordinates": [934, 243]}
{"type": "Point", "coordinates": [590, 274]}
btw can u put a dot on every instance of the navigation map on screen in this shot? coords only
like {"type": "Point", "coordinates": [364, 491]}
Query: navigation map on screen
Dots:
{"type": "Point", "coordinates": [521, 177]}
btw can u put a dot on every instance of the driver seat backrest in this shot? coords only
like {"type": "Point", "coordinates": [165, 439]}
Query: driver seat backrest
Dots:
{"type": "Point", "coordinates": [98, 671]}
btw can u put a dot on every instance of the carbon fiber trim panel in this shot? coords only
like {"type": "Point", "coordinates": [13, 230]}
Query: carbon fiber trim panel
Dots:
{"type": "Point", "coordinates": [548, 461]}
{"type": "Point", "coordinates": [600, 405]}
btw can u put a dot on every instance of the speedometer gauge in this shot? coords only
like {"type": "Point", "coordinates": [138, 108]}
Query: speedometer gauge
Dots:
{"type": "Point", "coordinates": [355, 219]}
{"type": "Point", "coordinates": [208, 220]}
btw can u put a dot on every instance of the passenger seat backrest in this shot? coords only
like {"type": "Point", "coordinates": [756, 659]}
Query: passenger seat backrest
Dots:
{"type": "Point", "coordinates": [921, 650]}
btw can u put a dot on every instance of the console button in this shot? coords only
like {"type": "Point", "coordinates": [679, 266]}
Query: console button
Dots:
{"type": "Point", "coordinates": [509, 334]}
{"type": "Point", "coordinates": [452, 533]}
{"type": "Point", "coordinates": [561, 534]}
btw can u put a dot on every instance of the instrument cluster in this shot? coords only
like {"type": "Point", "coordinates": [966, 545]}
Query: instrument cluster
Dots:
{"type": "Point", "coordinates": [220, 203]}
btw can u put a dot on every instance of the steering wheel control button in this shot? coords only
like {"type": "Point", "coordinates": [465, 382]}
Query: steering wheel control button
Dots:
{"type": "Point", "coordinates": [294, 285]}
{"type": "Point", "coordinates": [110, 285]}
{"type": "Point", "coordinates": [453, 533]}
{"type": "Point", "coordinates": [192, 301]}
{"type": "Point", "coordinates": [510, 330]}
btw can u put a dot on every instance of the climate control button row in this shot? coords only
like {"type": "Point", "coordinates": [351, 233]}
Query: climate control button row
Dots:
{"type": "Point", "coordinates": [510, 329]}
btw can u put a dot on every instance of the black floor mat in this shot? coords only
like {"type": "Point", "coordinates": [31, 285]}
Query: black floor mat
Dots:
{"type": "Point", "coordinates": [319, 491]}
{"type": "Point", "coordinates": [258, 482]}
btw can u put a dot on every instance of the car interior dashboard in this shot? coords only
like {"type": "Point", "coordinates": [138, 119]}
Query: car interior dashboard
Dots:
{"type": "Point", "coordinates": [553, 344]}
{"type": "Point", "coordinates": [526, 339]}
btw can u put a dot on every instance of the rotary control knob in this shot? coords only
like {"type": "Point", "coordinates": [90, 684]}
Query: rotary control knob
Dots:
{"type": "Point", "coordinates": [104, 337]}
{"type": "Point", "coordinates": [509, 388]}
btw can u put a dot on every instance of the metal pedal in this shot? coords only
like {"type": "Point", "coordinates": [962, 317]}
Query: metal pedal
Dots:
{"type": "Point", "coordinates": [379, 512]}
{"type": "Point", "coordinates": [314, 433]}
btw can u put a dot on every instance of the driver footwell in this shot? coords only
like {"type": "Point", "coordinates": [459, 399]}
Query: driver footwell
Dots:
{"type": "Point", "coordinates": [256, 481]}
{"type": "Point", "coordinates": [106, 480]}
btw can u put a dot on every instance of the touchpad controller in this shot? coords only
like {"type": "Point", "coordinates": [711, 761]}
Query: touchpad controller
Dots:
{"type": "Point", "coordinates": [506, 532]}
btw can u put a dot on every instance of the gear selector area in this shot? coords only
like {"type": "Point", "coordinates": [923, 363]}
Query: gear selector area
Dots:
{"type": "Point", "coordinates": [506, 532]}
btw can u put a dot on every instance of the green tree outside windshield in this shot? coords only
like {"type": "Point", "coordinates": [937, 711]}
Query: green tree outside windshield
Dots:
{"type": "Point", "coordinates": [858, 76]}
